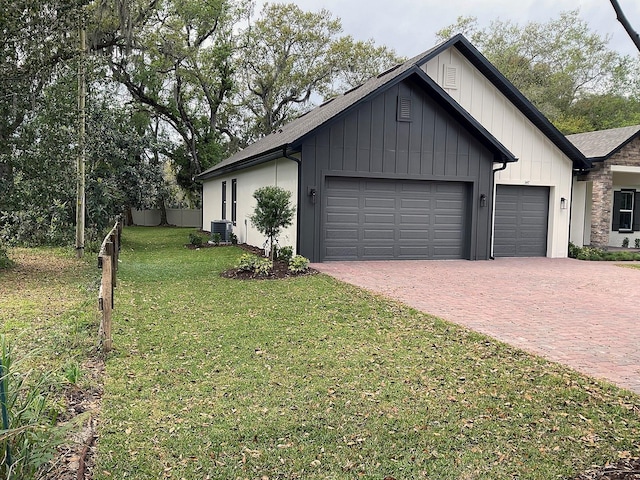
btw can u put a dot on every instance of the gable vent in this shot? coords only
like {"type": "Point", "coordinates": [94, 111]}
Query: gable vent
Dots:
{"type": "Point", "coordinates": [450, 77]}
{"type": "Point", "coordinates": [404, 109]}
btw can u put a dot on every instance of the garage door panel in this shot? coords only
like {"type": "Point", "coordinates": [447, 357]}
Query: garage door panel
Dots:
{"type": "Point", "coordinates": [447, 235]}
{"type": "Point", "coordinates": [380, 218]}
{"type": "Point", "coordinates": [342, 202]}
{"type": "Point", "coordinates": [414, 252]}
{"type": "Point", "coordinates": [445, 252]}
{"type": "Point", "coordinates": [415, 203]}
{"type": "Point", "coordinates": [413, 219]}
{"type": "Point", "coordinates": [341, 234]}
{"type": "Point", "coordinates": [342, 251]}
{"type": "Point", "coordinates": [344, 218]}
{"type": "Point", "coordinates": [394, 219]}
{"type": "Point", "coordinates": [521, 221]}
{"type": "Point", "coordinates": [375, 252]}
{"type": "Point", "coordinates": [417, 234]}
{"type": "Point", "coordinates": [448, 219]}
{"type": "Point", "coordinates": [371, 234]}
{"type": "Point", "coordinates": [376, 202]}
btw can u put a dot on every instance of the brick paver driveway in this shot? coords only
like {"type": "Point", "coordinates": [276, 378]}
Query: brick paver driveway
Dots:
{"type": "Point", "coordinates": [583, 314]}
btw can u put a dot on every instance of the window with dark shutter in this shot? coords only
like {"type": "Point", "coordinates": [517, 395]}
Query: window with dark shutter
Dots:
{"type": "Point", "coordinates": [224, 200]}
{"type": "Point", "coordinates": [625, 211]}
{"type": "Point", "coordinates": [636, 211]}
{"type": "Point", "coordinates": [234, 199]}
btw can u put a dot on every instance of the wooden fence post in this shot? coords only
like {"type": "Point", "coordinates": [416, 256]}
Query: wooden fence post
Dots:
{"type": "Point", "coordinates": [106, 288]}
{"type": "Point", "coordinates": [108, 262]}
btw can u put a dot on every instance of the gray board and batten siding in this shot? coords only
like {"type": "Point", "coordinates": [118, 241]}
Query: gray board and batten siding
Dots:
{"type": "Point", "coordinates": [398, 150]}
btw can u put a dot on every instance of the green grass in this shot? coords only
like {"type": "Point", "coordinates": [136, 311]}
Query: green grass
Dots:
{"type": "Point", "coordinates": [300, 378]}
{"type": "Point", "coordinates": [636, 266]}
{"type": "Point", "coordinates": [48, 308]}
{"type": "Point", "coordinates": [310, 378]}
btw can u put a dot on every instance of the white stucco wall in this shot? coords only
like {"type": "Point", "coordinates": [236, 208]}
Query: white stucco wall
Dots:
{"type": "Point", "coordinates": [540, 162]}
{"type": "Point", "coordinates": [282, 173]}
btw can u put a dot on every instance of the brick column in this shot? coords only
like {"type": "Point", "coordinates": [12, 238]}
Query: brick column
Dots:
{"type": "Point", "coordinates": [602, 203]}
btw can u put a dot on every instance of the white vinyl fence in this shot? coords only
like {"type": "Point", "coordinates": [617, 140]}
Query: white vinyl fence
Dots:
{"type": "Point", "coordinates": [180, 217]}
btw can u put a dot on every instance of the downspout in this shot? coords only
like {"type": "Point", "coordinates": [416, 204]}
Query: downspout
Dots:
{"type": "Point", "coordinates": [298, 203]}
{"type": "Point", "coordinates": [493, 207]}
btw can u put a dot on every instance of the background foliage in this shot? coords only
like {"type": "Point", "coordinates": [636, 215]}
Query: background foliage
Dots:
{"type": "Point", "coordinates": [176, 86]}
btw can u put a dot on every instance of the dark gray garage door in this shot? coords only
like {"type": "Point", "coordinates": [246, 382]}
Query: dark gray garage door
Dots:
{"type": "Point", "coordinates": [371, 219]}
{"type": "Point", "coordinates": [521, 221]}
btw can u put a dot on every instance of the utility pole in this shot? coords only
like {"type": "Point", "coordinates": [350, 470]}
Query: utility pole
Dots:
{"type": "Point", "coordinates": [80, 167]}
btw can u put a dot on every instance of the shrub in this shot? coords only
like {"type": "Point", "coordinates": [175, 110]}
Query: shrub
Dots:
{"type": "Point", "coordinates": [637, 243]}
{"type": "Point", "coordinates": [262, 266]}
{"type": "Point", "coordinates": [246, 262]}
{"type": "Point", "coordinates": [217, 238]}
{"type": "Point", "coordinates": [298, 264]}
{"type": "Point", "coordinates": [258, 265]}
{"type": "Point", "coordinates": [195, 239]}
{"type": "Point", "coordinates": [573, 250]}
{"type": "Point", "coordinates": [625, 242]}
{"type": "Point", "coordinates": [233, 238]}
{"type": "Point", "coordinates": [596, 254]}
{"type": "Point", "coordinates": [5, 261]}
{"type": "Point", "coordinates": [285, 254]}
{"type": "Point", "coordinates": [590, 253]}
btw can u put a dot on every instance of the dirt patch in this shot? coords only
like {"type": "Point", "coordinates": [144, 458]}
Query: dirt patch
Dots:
{"type": "Point", "coordinates": [75, 459]}
{"type": "Point", "coordinates": [623, 469]}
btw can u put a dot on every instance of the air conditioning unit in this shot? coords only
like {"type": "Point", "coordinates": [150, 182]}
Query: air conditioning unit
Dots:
{"type": "Point", "coordinates": [223, 227]}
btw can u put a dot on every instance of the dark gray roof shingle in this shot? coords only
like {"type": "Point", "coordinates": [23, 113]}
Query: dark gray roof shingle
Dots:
{"type": "Point", "coordinates": [603, 143]}
{"type": "Point", "coordinates": [299, 127]}
{"type": "Point", "coordinates": [295, 130]}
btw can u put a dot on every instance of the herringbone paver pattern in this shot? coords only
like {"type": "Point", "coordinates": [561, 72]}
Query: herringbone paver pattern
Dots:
{"type": "Point", "coordinates": [583, 314]}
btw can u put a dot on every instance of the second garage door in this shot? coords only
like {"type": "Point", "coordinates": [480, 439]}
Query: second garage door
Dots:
{"type": "Point", "coordinates": [373, 219]}
{"type": "Point", "coordinates": [521, 221]}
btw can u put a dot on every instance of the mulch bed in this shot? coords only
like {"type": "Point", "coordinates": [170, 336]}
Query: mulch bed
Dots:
{"type": "Point", "coordinates": [279, 270]}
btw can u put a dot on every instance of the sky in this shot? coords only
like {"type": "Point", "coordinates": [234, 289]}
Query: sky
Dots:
{"type": "Point", "coordinates": [409, 26]}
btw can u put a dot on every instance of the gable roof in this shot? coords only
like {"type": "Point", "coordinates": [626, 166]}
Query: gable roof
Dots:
{"type": "Point", "coordinates": [514, 95]}
{"type": "Point", "coordinates": [289, 137]}
{"type": "Point", "coordinates": [600, 145]}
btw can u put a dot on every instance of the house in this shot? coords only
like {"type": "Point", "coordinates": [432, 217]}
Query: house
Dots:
{"type": "Point", "coordinates": [606, 200]}
{"type": "Point", "coordinates": [437, 158]}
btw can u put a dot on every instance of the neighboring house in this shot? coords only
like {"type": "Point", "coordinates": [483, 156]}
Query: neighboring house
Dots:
{"type": "Point", "coordinates": [606, 200]}
{"type": "Point", "coordinates": [438, 158]}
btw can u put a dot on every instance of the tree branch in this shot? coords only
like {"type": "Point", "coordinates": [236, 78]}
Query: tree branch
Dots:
{"type": "Point", "coordinates": [635, 38]}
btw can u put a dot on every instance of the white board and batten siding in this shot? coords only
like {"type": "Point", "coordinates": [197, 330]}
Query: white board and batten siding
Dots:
{"type": "Point", "coordinates": [540, 162]}
{"type": "Point", "coordinates": [281, 172]}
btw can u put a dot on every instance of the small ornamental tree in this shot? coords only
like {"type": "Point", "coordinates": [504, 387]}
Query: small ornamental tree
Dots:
{"type": "Point", "coordinates": [273, 212]}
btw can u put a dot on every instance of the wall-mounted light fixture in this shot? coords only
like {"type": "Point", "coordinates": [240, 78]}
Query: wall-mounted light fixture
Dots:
{"type": "Point", "coordinates": [483, 200]}
{"type": "Point", "coordinates": [563, 203]}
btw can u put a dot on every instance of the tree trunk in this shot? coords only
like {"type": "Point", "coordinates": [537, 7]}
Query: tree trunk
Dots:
{"type": "Point", "coordinates": [163, 214]}
{"type": "Point", "coordinates": [128, 216]}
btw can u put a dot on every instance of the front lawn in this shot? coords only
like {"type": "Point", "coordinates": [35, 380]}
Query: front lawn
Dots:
{"type": "Point", "coordinates": [310, 378]}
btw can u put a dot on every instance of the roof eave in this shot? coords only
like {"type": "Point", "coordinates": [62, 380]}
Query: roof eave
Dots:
{"type": "Point", "coordinates": [263, 157]}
